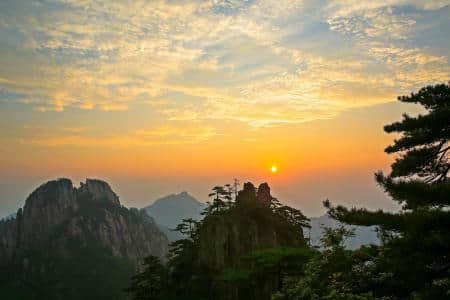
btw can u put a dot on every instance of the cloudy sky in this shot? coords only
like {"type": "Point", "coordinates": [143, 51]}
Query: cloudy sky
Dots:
{"type": "Point", "coordinates": [163, 96]}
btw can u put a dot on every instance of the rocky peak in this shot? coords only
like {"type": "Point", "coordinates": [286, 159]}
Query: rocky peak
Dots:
{"type": "Point", "coordinates": [57, 212]}
{"type": "Point", "coordinates": [248, 193]}
{"type": "Point", "coordinates": [225, 239]}
{"type": "Point", "coordinates": [99, 190]}
{"type": "Point", "coordinates": [46, 208]}
{"type": "Point", "coordinates": [49, 193]}
{"type": "Point", "coordinates": [264, 195]}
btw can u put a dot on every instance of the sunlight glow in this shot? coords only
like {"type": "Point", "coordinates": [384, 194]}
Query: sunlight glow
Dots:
{"type": "Point", "coordinates": [274, 169]}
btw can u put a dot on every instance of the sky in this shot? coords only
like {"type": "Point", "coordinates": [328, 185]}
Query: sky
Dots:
{"type": "Point", "coordinates": [159, 97]}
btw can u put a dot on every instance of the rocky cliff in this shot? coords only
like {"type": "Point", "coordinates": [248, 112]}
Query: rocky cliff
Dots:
{"type": "Point", "coordinates": [57, 214]}
{"type": "Point", "coordinates": [239, 249]}
{"type": "Point", "coordinates": [249, 226]}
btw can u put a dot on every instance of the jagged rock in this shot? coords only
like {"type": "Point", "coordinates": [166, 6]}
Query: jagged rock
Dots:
{"type": "Point", "coordinates": [57, 212]}
{"type": "Point", "coordinates": [264, 195]}
{"type": "Point", "coordinates": [99, 190]}
{"type": "Point", "coordinates": [221, 254]}
{"type": "Point", "coordinates": [226, 239]}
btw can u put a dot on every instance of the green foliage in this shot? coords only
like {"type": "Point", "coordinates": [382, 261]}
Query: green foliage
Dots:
{"type": "Point", "coordinates": [84, 272]}
{"type": "Point", "coordinates": [188, 227]}
{"type": "Point", "coordinates": [235, 276]}
{"type": "Point", "coordinates": [150, 283]}
{"type": "Point", "coordinates": [270, 257]}
{"type": "Point", "coordinates": [221, 197]}
{"type": "Point", "coordinates": [335, 273]}
{"type": "Point", "coordinates": [199, 269]}
{"type": "Point", "coordinates": [293, 216]}
{"type": "Point", "coordinates": [417, 239]}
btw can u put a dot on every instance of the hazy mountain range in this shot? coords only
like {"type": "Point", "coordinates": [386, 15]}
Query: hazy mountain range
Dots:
{"type": "Point", "coordinates": [363, 235]}
{"type": "Point", "coordinates": [67, 230]}
{"type": "Point", "coordinates": [170, 210]}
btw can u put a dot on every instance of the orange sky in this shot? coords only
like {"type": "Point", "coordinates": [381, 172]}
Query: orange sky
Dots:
{"type": "Point", "coordinates": [316, 160]}
{"type": "Point", "coordinates": [163, 96]}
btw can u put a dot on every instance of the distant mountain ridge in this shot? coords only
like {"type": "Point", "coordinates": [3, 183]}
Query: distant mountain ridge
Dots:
{"type": "Point", "coordinates": [363, 235]}
{"type": "Point", "coordinates": [168, 212]}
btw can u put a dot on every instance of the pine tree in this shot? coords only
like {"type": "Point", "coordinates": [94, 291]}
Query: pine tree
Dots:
{"type": "Point", "coordinates": [220, 196]}
{"type": "Point", "coordinates": [416, 239]}
{"type": "Point", "coordinates": [188, 227]}
{"type": "Point", "coordinates": [150, 283]}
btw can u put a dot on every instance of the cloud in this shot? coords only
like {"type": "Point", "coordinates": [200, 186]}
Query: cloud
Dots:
{"type": "Point", "coordinates": [380, 23]}
{"type": "Point", "coordinates": [189, 133]}
{"type": "Point", "coordinates": [235, 60]}
{"type": "Point", "coordinates": [347, 7]}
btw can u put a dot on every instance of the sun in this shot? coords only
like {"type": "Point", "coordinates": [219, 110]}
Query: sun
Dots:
{"type": "Point", "coordinates": [274, 169]}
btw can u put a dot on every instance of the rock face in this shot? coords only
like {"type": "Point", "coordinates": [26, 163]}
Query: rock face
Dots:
{"type": "Point", "coordinates": [263, 194]}
{"type": "Point", "coordinates": [226, 240]}
{"type": "Point", "coordinates": [58, 213]}
{"type": "Point", "coordinates": [250, 226]}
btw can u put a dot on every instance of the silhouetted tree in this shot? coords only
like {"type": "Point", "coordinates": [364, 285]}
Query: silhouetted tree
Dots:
{"type": "Point", "coordinates": [188, 227]}
{"type": "Point", "coordinates": [417, 239]}
{"type": "Point", "coordinates": [219, 197]}
{"type": "Point", "coordinates": [228, 195]}
{"type": "Point", "coordinates": [335, 273]}
{"type": "Point", "coordinates": [292, 215]}
{"type": "Point", "coordinates": [150, 283]}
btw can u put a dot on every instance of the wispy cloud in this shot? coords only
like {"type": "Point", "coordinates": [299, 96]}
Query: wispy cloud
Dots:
{"type": "Point", "coordinates": [81, 137]}
{"type": "Point", "coordinates": [237, 60]}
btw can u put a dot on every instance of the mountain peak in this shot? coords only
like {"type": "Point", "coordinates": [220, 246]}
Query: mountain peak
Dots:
{"type": "Point", "coordinates": [59, 191]}
{"type": "Point", "coordinates": [57, 213]}
{"type": "Point", "coordinates": [62, 190]}
{"type": "Point", "coordinates": [99, 190]}
{"type": "Point", "coordinates": [168, 211]}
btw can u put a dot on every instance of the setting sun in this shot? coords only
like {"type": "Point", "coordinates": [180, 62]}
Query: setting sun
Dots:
{"type": "Point", "coordinates": [274, 169]}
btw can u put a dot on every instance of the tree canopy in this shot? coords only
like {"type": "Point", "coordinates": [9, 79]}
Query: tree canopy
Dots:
{"type": "Point", "coordinates": [417, 238]}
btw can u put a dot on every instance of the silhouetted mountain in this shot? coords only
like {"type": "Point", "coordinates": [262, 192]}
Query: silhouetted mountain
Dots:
{"type": "Point", "coordinates": [363, 235]}
{"type": "Point", "coordinates": [170, 210]}
{"type": "Point", "coordinates": [240, 250]}
{"type": "Point", "coordinates": [65, 239]}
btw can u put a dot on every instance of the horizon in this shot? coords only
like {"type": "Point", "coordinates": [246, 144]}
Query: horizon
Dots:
{"type": "Point", "coordinates": [161, 97]}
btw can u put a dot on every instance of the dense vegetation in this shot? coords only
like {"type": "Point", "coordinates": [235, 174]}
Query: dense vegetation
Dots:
{"type": "Point", "coordinates": [413, 261]}
{"type": "Point", "coordinates": [83, 272]}
{"type": "Point", "coordinates": [242, 249]}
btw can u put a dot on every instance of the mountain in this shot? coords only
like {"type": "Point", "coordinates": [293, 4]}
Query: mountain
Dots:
{"type": "Point", "coordinates": [363, 235]}
{"type": "Point", "coordinates": [239, 250]}
{"type": "Point", "coordinates": [168, 212]}
{"type": "Point", "coordinates": [65, 238]}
